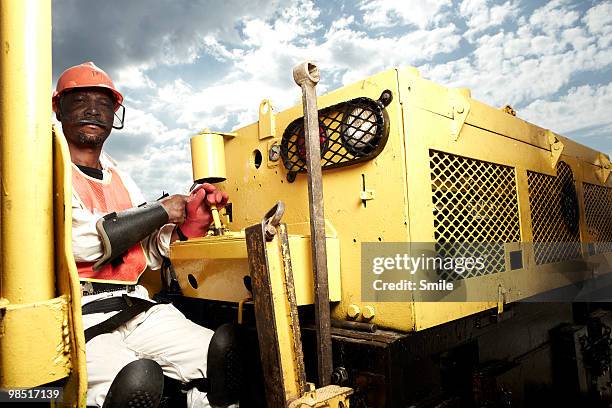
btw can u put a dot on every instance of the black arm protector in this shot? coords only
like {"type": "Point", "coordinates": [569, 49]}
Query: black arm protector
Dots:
{"type": "Point", "coordinates": [119, 231]}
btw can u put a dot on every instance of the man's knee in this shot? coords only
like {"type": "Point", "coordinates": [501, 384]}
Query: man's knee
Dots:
{"type": "Point", "coordinates": [224, 368]}
{"type": "Point", "coordinates": [140, 383]}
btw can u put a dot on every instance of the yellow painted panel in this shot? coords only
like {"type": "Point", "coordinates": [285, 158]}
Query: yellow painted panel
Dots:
{"type": "Point", "coordinates": [218, 265]}
{"type": "Point", "coordinates": [34, 347]}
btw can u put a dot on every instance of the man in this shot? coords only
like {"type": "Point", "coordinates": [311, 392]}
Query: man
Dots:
{"type": "Point", "coordinates": [116, 236]}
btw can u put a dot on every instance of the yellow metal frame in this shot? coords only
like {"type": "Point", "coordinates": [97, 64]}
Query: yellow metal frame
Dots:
{"type": "Point", "coordinates": [41, 334]}
{"type": "Point", "coordinates": [75, 390]}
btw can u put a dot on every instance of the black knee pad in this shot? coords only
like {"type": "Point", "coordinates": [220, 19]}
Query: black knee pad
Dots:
{"type": "Point", "coordinates": [138, 384]}
{"type": "Point", "coordinates": [224, 370]}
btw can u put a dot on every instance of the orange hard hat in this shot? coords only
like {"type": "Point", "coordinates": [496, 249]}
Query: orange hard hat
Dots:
{"type": "Point", "coordinates": [85, 75]}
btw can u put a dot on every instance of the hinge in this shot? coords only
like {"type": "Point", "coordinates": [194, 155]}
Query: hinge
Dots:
{"type": "Point", "coordinates": [556, 148]}
{"type": "Point", "coordinates": [460, 107]}
{"type": "Point", "coordinates": [603, 162]}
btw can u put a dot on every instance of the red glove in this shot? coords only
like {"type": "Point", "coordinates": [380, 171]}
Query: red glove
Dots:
{"type": "Point", "coordinates": [199, 216]}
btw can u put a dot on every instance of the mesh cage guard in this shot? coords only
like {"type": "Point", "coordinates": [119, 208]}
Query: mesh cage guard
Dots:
{"type": "Point", "coordinates": [554, 215]}
{"type": "Point", "coordinates": [598, 215]}
{"type": "Point", "coordinates": [349, 132]}
{"type": "Point", "coordinates": [475, 211]}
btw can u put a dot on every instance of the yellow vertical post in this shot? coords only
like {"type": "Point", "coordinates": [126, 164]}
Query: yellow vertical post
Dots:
{"type": "Point", "coordinates": [27, 273]}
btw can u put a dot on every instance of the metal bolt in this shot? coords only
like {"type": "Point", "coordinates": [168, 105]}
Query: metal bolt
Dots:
{"type": "Point", "coordinates": [353, 311]}
{"type": "Point", "coordinates": [368, 312]}
{"type": "Point", "coordinates": [459, 109]}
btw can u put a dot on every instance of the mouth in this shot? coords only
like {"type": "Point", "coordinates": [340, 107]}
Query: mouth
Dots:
{"type": "Point", "coordinates": [92, 124]}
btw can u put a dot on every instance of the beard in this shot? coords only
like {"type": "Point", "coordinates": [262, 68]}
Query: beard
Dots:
{"type": "Point", "coordinates": [92, 140]}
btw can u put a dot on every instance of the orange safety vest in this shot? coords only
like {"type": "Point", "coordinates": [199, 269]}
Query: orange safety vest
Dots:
{"type": "Point", "coordinates": [103, 197]}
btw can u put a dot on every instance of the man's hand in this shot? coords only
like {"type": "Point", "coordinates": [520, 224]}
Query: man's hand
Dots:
{"type": "Point", "coordinates": [175, 207]}
{"type": "Point", "coordinates": [199, 203]}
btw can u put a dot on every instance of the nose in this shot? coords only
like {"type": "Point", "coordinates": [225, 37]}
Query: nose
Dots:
{"type": "Point", "coordinates": [92, 108]}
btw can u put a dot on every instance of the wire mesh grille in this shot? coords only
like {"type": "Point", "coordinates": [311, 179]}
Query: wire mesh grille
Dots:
{"type": "Point", "coordinates": [598, 214]}
{"type": "Point", "coordinates": [554, 215]}
{"type": "Point", "coordinates": [475, 211]}
{"type": "Point", "coordinates": [349, 132]}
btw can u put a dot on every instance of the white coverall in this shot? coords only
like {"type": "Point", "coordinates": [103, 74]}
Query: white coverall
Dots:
{"type": "Point", "coordinates": [162, 333]}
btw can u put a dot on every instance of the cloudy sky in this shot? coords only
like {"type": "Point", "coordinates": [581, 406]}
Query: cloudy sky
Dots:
{"type": "Point", "coordinates": [188, 64]}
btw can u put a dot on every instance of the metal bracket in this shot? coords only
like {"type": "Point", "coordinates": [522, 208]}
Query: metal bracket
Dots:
{"type": "Point", "coordinates": [556, 147]}
{"type": "Point", "coordinates": [272, 219]}
{"type": "Point", "coordinates": [266, 124]}
{"type": "Point", "coordinates": [459, 107]}
{"type": "Point", "coordinates": [603, 162]}
{"type": "Point", "coordinates": [331, 396]}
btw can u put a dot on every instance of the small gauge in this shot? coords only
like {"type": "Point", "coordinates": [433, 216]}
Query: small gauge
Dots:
{"type": "Point", "coordinates": [274, 153]}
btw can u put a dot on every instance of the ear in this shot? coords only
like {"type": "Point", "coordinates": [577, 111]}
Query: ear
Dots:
{"type": "Point", "coordinates": [56, 108]}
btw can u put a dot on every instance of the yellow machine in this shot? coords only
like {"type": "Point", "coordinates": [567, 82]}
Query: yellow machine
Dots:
{"type": "Point", "coordinates": [403, 161]}
{"type": "Point", "coordinates": [447, 168]}
{"type": "Point", "coordinates": [426, 166]}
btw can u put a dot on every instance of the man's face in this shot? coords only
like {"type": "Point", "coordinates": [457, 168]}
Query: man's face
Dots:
{"type": "Point", "coordinates": [87, 116]}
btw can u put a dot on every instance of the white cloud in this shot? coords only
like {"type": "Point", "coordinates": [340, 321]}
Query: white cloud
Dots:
{"type": "Point", "coordinates": [554, 16]}
{"type": "Point", "coordinates": [536, 61]}
{"type": "Point", "coordinates": [385, 13]}
{"type": "Point", "coordinates": [264, 69]}
{"type": "Point", "coordinates": [159, 169]}
{"type": "Point", "coordinates": [582, 107]}
{"type": "Point", "coordinates": [480, 15]}
{"type": "Point", "coordinates": [154, 32]}
{"type": "Point", "coordinates": [133, 77]}
{"type": "Point", "coordinates": [599, 18]}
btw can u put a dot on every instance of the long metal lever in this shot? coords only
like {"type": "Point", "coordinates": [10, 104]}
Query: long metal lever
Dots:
{"type": "Point", "coordinates": [306, 75]}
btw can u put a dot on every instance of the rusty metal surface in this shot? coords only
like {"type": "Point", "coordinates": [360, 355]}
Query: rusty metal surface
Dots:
{"type": "Point", "coordinates": [306, 75]}
{"type": "Point", "coordinates": [297, 345]}
{"type": "Point", "coordinates": [264, 316]}
{"type": "Point", "coordinates": [359, 326]}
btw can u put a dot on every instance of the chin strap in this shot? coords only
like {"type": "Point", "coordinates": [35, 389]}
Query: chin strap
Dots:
{"type": "Point", "coordinates": [121, 230]}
